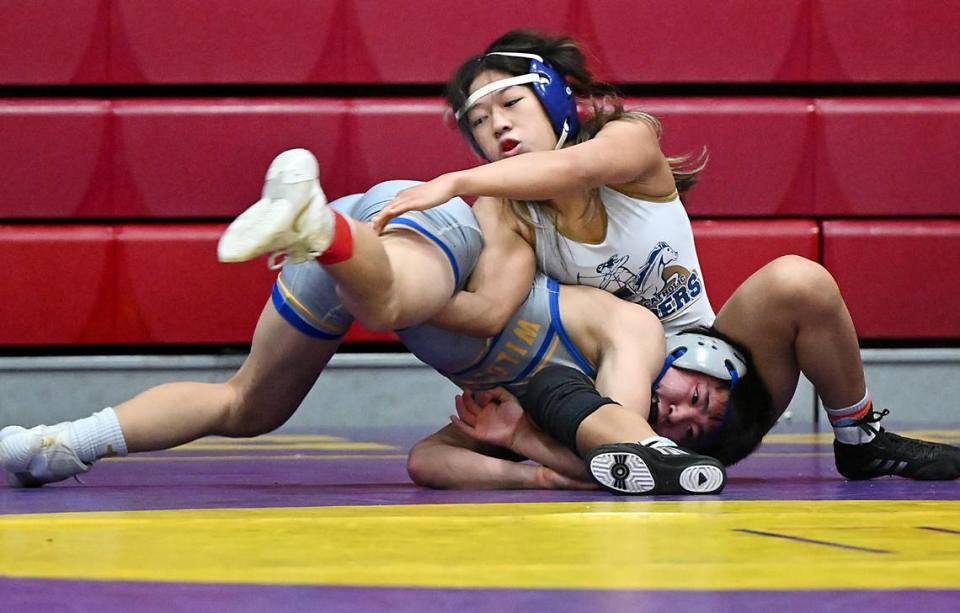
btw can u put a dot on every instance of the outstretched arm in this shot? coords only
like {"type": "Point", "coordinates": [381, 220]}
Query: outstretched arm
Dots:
{"type": "Point", "coordinates": [622, 152]}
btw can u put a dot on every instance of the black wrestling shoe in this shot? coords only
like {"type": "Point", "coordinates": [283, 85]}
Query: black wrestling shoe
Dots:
{"type": "Point", "coordinates": [632, 468]}
{"type": "Point", "coordinates": [890, 454]}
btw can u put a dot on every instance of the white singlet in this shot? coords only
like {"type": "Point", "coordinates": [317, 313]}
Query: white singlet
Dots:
{"type": "Point", "coordinates": [647, 257]}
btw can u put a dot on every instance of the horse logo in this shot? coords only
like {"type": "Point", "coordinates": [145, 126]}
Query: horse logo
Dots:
{"type": "Point", "coordinates": [655, 273]}
{"type": "Point", "coordinates": [615, 277]}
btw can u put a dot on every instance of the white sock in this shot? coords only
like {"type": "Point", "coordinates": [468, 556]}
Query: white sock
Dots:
{"type": "Point", "coordinates": [98, 436]}
{"type": "Point", "coordinates": [844, 421]}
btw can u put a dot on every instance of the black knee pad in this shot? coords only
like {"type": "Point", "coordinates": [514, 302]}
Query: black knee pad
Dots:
{"type": "Point", "coordinates": [558, 399]}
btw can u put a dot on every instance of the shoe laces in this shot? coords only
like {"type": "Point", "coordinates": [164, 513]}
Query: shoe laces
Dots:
{"type": "Point", "coordinates": [276, 260]}
{"type": "Point", "coordinates": [910, 448]}
{"type": "Point", "coordinates": [873, 417]}
{"type": "Point", "coordinates": [294, 254]}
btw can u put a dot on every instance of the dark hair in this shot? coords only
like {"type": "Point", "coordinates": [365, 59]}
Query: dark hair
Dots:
{"type": "Point", "coordinates": [750, 411]}
{"type": "Point", "coordinates": [565, 56]}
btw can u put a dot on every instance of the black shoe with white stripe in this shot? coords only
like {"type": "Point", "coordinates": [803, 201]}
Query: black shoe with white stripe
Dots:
{"type": "Point", "coordinates": [632, 468]}
{"type": "Point", "coordinates": [891, 454]}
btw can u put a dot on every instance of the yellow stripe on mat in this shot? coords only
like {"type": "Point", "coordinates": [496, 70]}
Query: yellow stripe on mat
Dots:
{"type": "Point", "coordinates": [706, 544]}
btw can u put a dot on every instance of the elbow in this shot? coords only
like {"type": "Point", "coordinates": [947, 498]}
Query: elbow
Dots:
{"type": "Point", "coordinates": [488, 325]}
{"type": "Point", "coordinates": [498, 318]}
{"type": "Point", "coordinates": [491, 327]}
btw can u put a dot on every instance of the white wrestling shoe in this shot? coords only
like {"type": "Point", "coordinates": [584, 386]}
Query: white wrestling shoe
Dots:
{"type": "Point", "coordinates": [291, 218]}
{"type": "Point", "coordinates": [38, 455]}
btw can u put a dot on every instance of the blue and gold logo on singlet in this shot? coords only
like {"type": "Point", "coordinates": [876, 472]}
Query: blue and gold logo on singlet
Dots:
{"type": "Point", "coordinates": [661, 286]}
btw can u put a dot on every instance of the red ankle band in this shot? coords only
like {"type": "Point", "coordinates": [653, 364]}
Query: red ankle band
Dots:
{"type": "Point", "coordinates": [341, 247]}
{"type": "Point", "coordinates": [852, 416]}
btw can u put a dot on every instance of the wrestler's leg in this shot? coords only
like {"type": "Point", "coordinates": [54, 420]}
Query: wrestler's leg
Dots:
{"type": "Point", "coordinates": [389, 282]}
{"type": "Point", "coordinates": [281, 368]}
{"type": "Point", "coordinates": [393, 281]}
{"type": "Point", "coordinates": [792, 318]}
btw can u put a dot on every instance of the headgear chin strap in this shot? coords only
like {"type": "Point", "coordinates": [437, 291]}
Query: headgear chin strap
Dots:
{"type": "Point", "coordinates": [550, 88]}
{"type": "Point", "coordinates": [705, 354]}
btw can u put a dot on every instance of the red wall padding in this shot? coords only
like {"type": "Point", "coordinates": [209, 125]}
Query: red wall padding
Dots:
{"type": "Point", "coordinates": [129, 284]}
{"type": "Point", "coordinates": [172, 289]}
{"type": "Point", "coordinates": [887, 157]}
{"type": "Point", "coordinates": [57, 284]}
{"type": "Point", "coordinates": [312, 41]}
{"type": "Point", "coordinates": [871, 181]}
{"type": "Point", "coordinates": [56, 157]}
{"type": "Point", "coordinates": [884, 41]}
{"type": "Point", "coordinates": [153, 284]}
{"type": "Point", "coordinates": [202, 158]}
{"type": "Point", "coordinates": [54, 42]}
{"type": "Point", "coordinates": [422, 41]}
{"type": "Point", "coordinates": [399, 138]}
{"type": "Point", "coordinates": [207, 158]}
{"type": "Point", "coordinates": [697, 40]}
{"type": "Point", "coordinates": [900, 279]}
{"type": "Point", "coordinates": [761, 152]}
{"type": "Point", "coordinates": [731, 251]}
{"type": "Point", "coordinates": [225, 41]}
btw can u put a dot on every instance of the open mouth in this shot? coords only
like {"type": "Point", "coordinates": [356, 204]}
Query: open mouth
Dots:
{"type": "Point", "coordinates": [509, 147]}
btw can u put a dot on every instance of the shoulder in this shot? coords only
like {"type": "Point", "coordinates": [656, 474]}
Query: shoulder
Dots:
{"type": "Point", "coordinates": [496, 215]}
{"type": "Point", "coordinates": [632, 127]}
{"type": "Point", "coordinates": [605, 314]}
{"type": "Point", "coordinates": [606, 328]}
{"type": "Point", "coordinates": [489, 207]}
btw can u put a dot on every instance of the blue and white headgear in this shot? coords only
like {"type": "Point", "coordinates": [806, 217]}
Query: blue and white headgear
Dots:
{"type": "Point", "coordinates": [704, 354]}
{"type": "Point", "coordinates": [552, 91]}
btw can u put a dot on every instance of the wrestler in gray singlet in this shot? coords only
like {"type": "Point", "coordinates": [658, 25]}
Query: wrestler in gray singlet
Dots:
{"type": "Point", "coordinates": [532, 339]}
{"type": "Point", "coordinates": [305, 295]}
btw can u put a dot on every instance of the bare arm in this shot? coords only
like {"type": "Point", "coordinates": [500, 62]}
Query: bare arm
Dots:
{"type": "Point", "coordinates": [500, 281]}
{"type": "Point", "coordinates": [622, 152]}
{"type": "Point", "coordinates": [495, 417]}
{"type": "Point", "coordinates": [626, 344]}
{"type": "Point", "coordinates": [448, 459]}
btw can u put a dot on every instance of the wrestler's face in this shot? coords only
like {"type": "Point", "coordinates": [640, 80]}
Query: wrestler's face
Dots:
{"type": "Point", "coordinates": [509, 121]}
{"type": "Point", "coordinates": [690, 405]}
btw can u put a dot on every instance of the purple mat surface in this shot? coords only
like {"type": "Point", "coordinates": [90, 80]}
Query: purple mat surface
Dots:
{"type": "Point", "coordinates": [317, 478]}
{"type": "Point", "coordinates": [106, 597]}
{"type": "Point", "coordinates": [776, 472]}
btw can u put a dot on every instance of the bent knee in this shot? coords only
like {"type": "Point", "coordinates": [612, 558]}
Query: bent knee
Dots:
{"type": "Point", "coordinates": [795, 281]}
{"type": "Point", "coordinates": [245, 417]}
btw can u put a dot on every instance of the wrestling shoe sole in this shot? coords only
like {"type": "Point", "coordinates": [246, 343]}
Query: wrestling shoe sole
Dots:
{"type": "Point", "coordinates": [626, 471]}
{"type": "Point", "coordinates": [623, 472]}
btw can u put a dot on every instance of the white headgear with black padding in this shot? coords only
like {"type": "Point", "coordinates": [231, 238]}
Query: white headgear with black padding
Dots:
{"type": "Point", "coordinates": [705, 354]}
